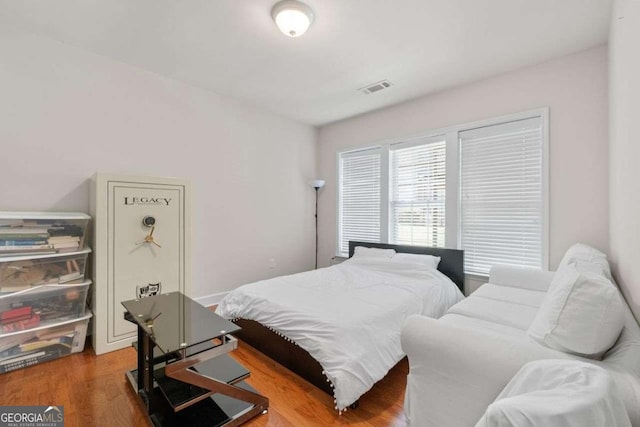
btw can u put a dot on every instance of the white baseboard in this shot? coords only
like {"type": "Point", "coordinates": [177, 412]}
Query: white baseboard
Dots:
{"type": "Point", "coordinates": [213, 299]}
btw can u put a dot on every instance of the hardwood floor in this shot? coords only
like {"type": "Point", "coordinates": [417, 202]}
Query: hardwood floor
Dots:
{"type": "Point", "coordinates": [94, 392]}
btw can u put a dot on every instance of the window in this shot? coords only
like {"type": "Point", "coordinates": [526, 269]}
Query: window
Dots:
{"type": "Point", "coordinates": [417, 194]}
{"type": "Point", "coordinates": [359, 202]}
{"type": "Point", "coordinates": [481, 187]}
{"type": "Point", "coordinates": [502, 206]}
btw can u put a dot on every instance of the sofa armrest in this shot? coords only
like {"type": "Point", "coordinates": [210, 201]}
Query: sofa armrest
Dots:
{"type": "Point", "coordinates": [521, 277]}
{"type": "Point", "coordinates": [456, 373]}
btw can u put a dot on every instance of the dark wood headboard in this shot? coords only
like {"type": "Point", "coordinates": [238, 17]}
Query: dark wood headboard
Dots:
{"type": "Point", "coordinates": [451, 260]}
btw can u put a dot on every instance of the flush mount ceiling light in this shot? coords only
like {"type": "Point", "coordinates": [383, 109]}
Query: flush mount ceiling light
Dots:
{"type": "Point", "coordinates": [292, 17]}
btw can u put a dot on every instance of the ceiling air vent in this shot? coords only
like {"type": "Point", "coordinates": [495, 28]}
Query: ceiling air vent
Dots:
{"type": "Point", "coordinates": [376, 87]}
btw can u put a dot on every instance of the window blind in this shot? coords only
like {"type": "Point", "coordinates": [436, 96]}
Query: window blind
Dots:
{"type": "Point", "coordinates": [501, 187]}
{"type": "Point", "coordinates": [417, 194]}
{"type": "Point", "coordinates": [359, 198]}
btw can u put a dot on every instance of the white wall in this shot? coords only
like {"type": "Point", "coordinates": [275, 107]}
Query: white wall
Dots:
{"type": "Point", "coordinates": [624, 166]}
{"type": "Point", "coordinates": [573, 87]}
{"type": "Point", "coordinates": [66, 113]}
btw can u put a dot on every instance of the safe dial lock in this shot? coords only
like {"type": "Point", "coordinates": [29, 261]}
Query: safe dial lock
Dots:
{"type": "Point", "coordinates": [148, 221]}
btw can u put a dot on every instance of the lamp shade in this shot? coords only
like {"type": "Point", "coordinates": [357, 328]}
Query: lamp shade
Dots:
{"type": "Point", "coordinates": [318, 183]}
{"type": "Point", "coordinates": [292, 17]}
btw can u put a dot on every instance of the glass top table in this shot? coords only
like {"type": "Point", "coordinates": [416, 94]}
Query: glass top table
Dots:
{"type": "Point", "coordinates": [193, 381]}
{"type": "Point", "coordinates": [175, 322]}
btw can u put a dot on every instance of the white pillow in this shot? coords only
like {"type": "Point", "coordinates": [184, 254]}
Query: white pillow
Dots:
{"type": "Point", "coordinates": [364, 252]}
{"type": "Point", "coordinates": [586, 260]}
{"type": "Point", "coordinates": [581, 314]}
{"type": "Point", "coordinates": [420, 259]}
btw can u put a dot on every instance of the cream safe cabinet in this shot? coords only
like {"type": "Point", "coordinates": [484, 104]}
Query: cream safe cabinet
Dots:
{"type": "Point", "coordinates": [142, 242]}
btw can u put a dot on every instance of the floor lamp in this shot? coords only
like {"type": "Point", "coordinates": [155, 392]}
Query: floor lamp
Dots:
{"type": "Point", "coordinates": [317, 185]}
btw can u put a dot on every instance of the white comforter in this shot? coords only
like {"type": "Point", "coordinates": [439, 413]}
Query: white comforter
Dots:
{"type": "Point", "coordinates": [348, 317]}
{"type": "Point", "coordinates": [558, 393]}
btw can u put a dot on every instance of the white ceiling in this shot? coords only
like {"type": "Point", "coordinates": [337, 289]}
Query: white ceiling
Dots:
{"type": "Point", "coordinates": [233, 47]}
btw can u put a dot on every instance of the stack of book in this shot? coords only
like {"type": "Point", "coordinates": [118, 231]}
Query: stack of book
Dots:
{"type": "Point", "coordinates": [31, 349]}
{"type": "Point", "coordinates": [21, 237]}
{"type": "Point", "coordinates": [18, 319]}
{"type": "Point", "coordinates": [64, 243]}
{"type": "Point", "coordinates": [24, 240]}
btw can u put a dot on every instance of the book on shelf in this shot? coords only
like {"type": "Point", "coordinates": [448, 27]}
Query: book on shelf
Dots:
{"type": "Point", "coordinates": [11, 345]}
{"type": "Point", "coordinates": [66, 250]}
{"type": "Point", "coordinates": [21, 325]}
{"type": "Point", "coordinates": [31, 248]}
{"type": "Point", "coordinates": [24, 242]}
{"type": "Point", "coordinates": [8, 222]}
{"type": "Point", "coordinates": [63, 340]}
{"type": "Point", "coordinates": [23, 230]}
{"type": "Point", "coordinates": [12, 353]}
{"type": "Point", "coordinates": [65, 230]}
{"type": "Point", "coordinates": [27, 250]}
{"type": "Point", "coordinates": [15, 314]}
{"type": "Point", "coordinates": [65, 243]}
{"type": "Point", "coordinates": [59, 331]}
{"type": "Point", "coordinates": [64, 239]}
{"type": "Point", "coordinates": [70, 245]}
{"type": "Point", "coordinates": [22, 236]}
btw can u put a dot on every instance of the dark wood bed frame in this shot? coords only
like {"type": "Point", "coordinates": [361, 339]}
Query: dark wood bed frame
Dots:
{"type": "Point", "coordinates": [298, 360]}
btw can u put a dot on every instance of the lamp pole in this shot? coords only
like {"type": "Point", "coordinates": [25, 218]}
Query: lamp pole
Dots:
{"type": "Point", "coordinates": [317, 185]}
{"type": "Point", "coordinates": [317, 188]}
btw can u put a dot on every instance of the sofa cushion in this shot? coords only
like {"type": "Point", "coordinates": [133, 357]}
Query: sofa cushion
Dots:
{"type": "Point", "coordinates": [505, 313]}
{"type": "Point", "coordinates": [521, 277]}
{"type": "Point", "coordinates": [586, 260]}
{"type": "Point", "coordinates": [475, 325]}
{"type": "Point", "coordinates": [582, 314]}
{"type": "Point", "coordinates": [510, 294]}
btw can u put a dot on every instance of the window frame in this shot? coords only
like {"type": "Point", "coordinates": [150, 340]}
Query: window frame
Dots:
{"type": "Point", "coordinates": [453, 201]}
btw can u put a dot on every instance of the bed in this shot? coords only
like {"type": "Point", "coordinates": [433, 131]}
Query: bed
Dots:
{"type": "Point", "coordinates": [339, 327]}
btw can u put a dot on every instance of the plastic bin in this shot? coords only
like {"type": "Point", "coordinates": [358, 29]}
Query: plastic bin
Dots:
{"type": "Point", "coordinates": [42, 305]}
{"type": "Point", "coordinates": [31, 347]}
{"type": "Point", "coordinates": [24, 233]}
{"type": "Point", "coordinates": [18, 273]}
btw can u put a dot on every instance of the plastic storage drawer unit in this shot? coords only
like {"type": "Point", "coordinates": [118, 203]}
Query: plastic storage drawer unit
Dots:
{"type": "Point", "coordinates": [18, 273]}
{"type": "Point", "coordinates": [42, 305]}
{"type": "Point", "coordinates": [31, 347]}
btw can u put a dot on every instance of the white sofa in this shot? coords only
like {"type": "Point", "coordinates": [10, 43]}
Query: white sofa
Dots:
{"type": "Point", "coordinates": [461, 362]}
